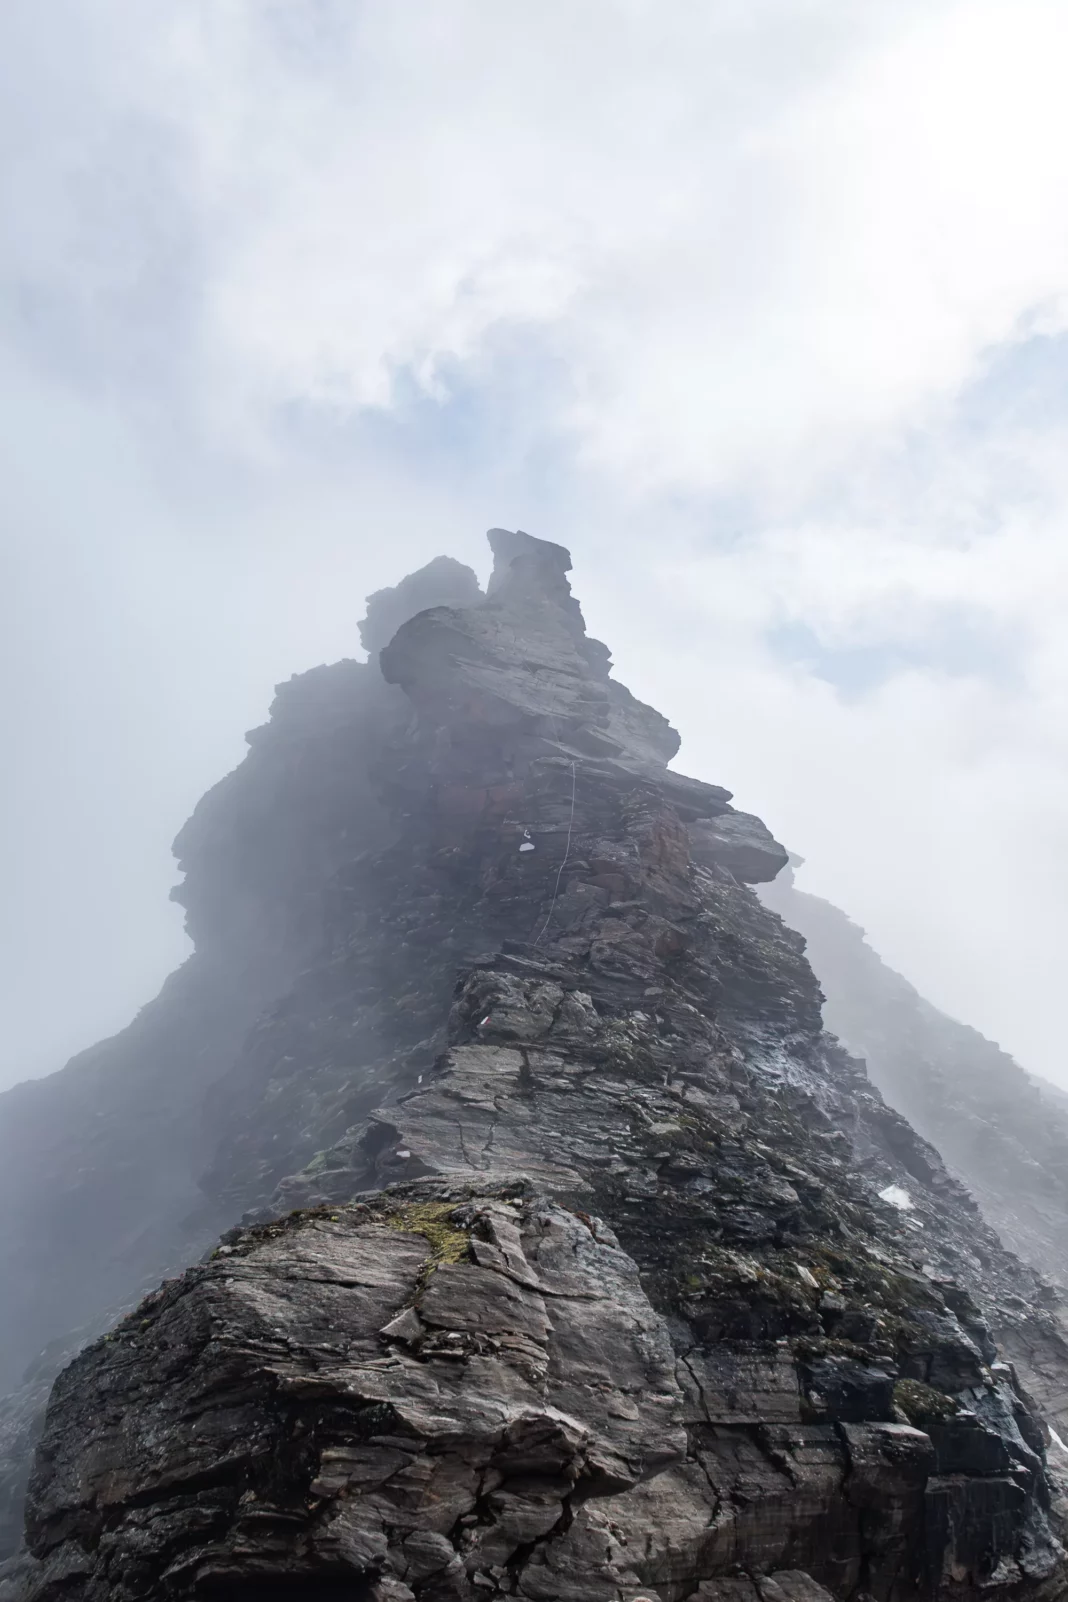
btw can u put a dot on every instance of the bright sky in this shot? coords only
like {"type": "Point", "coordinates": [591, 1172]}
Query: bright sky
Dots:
{"type": "Point", "coordinates": [761, 306]}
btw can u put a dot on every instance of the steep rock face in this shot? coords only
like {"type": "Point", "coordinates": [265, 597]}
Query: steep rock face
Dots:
{"type": "Point", "coordinates": [262, 843]}
{"type": "Point", "coordinates": [999, 1129]}
{"type": "Point", "coordinates": [99, 1164]}
{"type": "Point", "coordinates": [611, 1275]}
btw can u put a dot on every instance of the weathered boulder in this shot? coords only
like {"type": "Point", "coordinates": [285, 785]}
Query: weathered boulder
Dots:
{"type": "Point", "coordinates": [435, 1387]}
{"type": "Point", "coordinates": [741, 844]}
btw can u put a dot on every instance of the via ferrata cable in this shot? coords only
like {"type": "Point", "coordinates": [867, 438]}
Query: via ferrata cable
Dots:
{"type": "Point", "coordinates": [567, 853]}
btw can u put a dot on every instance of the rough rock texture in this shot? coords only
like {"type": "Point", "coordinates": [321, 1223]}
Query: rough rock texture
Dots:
{"type": "Point", "coordinates": [99, 1164]}
{"type": "Point", "coordinates": [1001, 1131]}
{"type": "Point", "coordinates": [576, 1263]}
{"type": "Point", "coordinates": [460, 1391]}
{"type": "Point", "coordinates": [741, 844]}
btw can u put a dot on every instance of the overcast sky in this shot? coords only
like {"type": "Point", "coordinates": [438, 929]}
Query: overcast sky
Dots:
{"type": "Point", "coordinates": [761, 306]}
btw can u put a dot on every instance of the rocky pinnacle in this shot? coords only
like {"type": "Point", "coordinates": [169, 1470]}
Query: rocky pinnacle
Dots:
{"type": "Point", "coordinates": [577, 1263]}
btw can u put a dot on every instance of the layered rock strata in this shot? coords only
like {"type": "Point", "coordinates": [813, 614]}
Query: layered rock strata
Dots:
{"type": "Point", "coordinates": [579, 1262]}
{"type": "Point", "coordinates": [100, 1163]}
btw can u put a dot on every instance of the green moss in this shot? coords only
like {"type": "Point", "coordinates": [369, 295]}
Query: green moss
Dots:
{"type": "Point", "coordinates": [433, 1220]}
{"type": "Point", "coordinates": [922, 1404]}
{"type": "Point", "coordinates": [808, 1347]}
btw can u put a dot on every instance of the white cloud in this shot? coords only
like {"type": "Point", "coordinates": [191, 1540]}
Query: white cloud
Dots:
{"type": "Point", "coordinates": [728, 271]}
{"type": "Point", "coordinates": [748, 255]}
{"type": "Point", "coordinates": [754, 236]}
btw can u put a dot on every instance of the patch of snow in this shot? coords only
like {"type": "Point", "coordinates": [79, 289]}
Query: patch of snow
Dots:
{"type": "Point", "coordinates": [897, 1197]}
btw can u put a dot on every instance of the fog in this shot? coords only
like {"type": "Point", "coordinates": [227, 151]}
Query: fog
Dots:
{"type": "Point", "coordinates": [760, 309]}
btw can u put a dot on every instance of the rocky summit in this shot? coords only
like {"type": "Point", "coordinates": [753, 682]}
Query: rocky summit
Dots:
{"type": "Point", "coordinates": [576, 1262]}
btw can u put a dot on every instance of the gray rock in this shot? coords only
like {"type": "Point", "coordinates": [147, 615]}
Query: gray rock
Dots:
{"type": "Point", "coordinates": [569, 1270]}
{"type": "Point", "coordinates": [741, 844]}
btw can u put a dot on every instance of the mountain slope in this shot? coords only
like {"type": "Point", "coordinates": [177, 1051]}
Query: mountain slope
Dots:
{"type": "Point", "coordinates": [573, 1262]}
{"type": "Point", "coordinates": [1002, 1131]}
{"type": "Point", "coordinates": [100, 1163]}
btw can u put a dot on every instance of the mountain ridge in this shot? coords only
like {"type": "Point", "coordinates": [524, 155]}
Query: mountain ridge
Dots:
{"type": "Point", "coordinates": [572, 1260]}
{"type": "Point", "coordinates": [1001, 1129]}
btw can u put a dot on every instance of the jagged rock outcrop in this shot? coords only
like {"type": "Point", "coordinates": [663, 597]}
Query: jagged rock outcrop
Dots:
{"type": "Point", "coordinates": [579, 1262]}
{"type": "Point", "coordinates": [100, 1163]}
{"type": "Point", "coordinates": [741, 844]}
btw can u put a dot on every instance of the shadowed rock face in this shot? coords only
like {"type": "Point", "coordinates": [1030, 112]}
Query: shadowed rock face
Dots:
{"type": "Point", "coordinates": [100, 1163]}
{"type": "Point", "coordinates": [575, 1263]}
